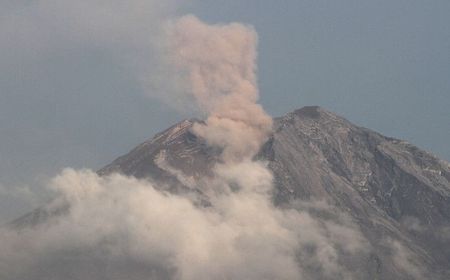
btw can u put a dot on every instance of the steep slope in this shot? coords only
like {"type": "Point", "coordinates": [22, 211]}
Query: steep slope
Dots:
{"type": "Point", "coordinates": [393, 190]}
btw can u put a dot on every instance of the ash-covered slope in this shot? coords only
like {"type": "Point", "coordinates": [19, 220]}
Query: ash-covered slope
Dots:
{"type": "Point", "coordinates": [398, 194]}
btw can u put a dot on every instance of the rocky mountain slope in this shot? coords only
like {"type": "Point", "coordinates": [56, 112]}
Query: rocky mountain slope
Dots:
{"type": "Point", "coordinates": [397, 195]}
{"type": "Point", "coordinates": [392, 189]}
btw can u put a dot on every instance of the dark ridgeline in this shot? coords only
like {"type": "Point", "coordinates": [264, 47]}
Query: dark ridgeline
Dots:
{"type": "Point", "coordinates": [395, 192]}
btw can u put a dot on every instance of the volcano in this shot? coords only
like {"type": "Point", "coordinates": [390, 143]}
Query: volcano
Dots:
{"type": "Point", "coordinates": [395, 193]}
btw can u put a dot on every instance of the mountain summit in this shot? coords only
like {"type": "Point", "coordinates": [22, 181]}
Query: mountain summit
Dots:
{"type": "Point", "coordinates": [395, 194]}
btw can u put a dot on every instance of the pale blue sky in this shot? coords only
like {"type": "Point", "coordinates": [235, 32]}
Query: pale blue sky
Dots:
{"type": "Point", "coordinates": [66, 98]}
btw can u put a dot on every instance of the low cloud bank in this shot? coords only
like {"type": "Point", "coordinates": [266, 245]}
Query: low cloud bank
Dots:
{"type": "Point", "coordinates": [116, 225]}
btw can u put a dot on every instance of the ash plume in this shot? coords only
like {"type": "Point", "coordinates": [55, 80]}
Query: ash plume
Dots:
{"type": "Point", "coordinates": [218, 64]}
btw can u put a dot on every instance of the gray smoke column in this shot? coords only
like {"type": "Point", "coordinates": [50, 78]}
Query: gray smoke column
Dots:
{"type": "Point", "coordinates": [218, 65]}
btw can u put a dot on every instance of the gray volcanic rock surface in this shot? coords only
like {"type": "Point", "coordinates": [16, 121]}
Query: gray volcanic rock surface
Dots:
{"type": "Point", "coordinates": [396, 194]}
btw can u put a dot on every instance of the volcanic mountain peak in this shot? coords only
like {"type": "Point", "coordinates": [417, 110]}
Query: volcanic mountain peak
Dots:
{"type": "Point", "coordinates": [311, 152]}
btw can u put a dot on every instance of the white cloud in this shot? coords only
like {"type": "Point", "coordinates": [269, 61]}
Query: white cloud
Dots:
{"type": "Point", "coordinates": [116, 219]}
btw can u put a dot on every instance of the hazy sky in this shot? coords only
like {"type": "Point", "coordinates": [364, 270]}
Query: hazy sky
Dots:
{"type": "Point", "coordinates": [69, 95]}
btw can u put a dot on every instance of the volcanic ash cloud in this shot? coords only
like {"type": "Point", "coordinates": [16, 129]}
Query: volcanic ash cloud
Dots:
{"type": "Point", "coordinates": [218, 66]}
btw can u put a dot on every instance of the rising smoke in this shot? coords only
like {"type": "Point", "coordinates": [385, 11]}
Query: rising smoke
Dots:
{"type": "Point", "coordinates": [115, 227]}
{"type": "Point", "coordinates": [219, 64]}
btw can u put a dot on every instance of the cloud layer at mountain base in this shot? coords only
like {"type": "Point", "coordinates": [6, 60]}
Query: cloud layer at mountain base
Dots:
{"type": "Point", "coordinates": [115, 225]}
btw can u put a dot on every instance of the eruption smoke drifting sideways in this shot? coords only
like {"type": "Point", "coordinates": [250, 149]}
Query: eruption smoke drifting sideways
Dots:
{"type": "Point", "coordinates": [123, 228]}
